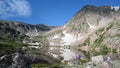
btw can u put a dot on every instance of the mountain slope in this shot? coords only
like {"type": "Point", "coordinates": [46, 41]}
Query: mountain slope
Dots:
{"type": "Point", "coordinates": [28, 29]}
{"type": "Point", "coordinates": [101, 25]}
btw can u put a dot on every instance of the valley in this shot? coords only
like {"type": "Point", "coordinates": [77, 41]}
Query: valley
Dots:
{"type": "Point", "coordinates": [90, 39]}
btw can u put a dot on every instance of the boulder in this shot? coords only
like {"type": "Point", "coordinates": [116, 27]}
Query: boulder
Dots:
{"type": "Point", "coordinates": [106, 64]}
{"type": "Point", "coordinates": [98, 59]}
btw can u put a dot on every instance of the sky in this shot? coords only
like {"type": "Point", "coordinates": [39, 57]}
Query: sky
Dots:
{"type": "Point", "coordinates": [49, 12]}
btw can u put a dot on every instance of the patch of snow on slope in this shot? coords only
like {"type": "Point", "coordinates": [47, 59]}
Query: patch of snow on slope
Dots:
{"type": "Point", "coordinates": [56, 36]}
{"type": "Point", "coordinates": [91, 26]}
{"type": "Point", "coordinates": [80, 37]}
{"type": "Point", "coordinates": [51, 43]}
{"type": "Point", "coordinates": [67, 54]}
{"type": "Point", "coordinates": [68, 38]}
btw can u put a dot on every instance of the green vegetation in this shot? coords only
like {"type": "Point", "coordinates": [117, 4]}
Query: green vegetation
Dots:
{"type": "Point", "coordinates": [39, 65]}
{"type": "Point", "coordinates": [56, 65]}
{"type": "Point", "coordinates": [36, 52]}
{"type": "Point", "coordinates": [110, 26]}
{"type": "Point", "coordinates": [83, 61]}
{"type": "Point", "coordinates": [98, 41]}
{"type": "Point", "coordinates": [114, 50]}
{"type": "Point", "coordinates": [117, 35]}
{"type": "Point", "coordinates": [11, 44]}
{"type": "Point", "coordinates": [87, 42]}
{"type": "Point", "coordinates": [7, 47]}
{"type": "Point", "coordinates": [43, 40]}
{"type": "Point", "coordinates": [104, 50]}
{"type": "Point", "coordinates": [99, 31]}
{"type": "Point", "coordinates": [94, 53]}
{"type": "Point", "coordinates": [87, 54]}
{"type": "Point", "coordinates": [40, 38]}
{"type": "Point", "coordinates": [101, 34]}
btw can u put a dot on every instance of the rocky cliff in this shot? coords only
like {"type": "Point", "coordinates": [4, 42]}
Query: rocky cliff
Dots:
{"type": "Point", "coordinates": [92, 25]}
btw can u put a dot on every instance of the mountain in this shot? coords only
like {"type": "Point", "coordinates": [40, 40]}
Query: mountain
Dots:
{"type": "Point", "coordinates": [7, 33]}
{"type": "Point", "coordinates": [15, 50]}
{"type": "Point", "coordinates": [100, 25]}
{"type": "Point", "coordinates": [95, 29]}
{"type": "Point", "coordinates": [18, 31]}
{"type": "Point", "coordinates": [93, 26]}
{"type": "Point", "coordinates": [27, 29]}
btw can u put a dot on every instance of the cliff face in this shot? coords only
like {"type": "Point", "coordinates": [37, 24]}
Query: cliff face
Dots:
{"type": "Point", "coordinates": [100, 25]}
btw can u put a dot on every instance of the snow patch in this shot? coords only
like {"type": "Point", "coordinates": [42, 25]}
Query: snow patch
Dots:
{"type": "Point", "coordinates": [64, 27]}
{"type": "Point", "coordinates": [56, 36]}
{"type": "Point", "coordinates": [51, 48]}
{"type": "Point", "coordinates": [67, 54]}
{"type": "Point", "coordinates": [115, 7]}
{"type": "Point", "coordinates": [91, 26]}
{"type": "Point", "coordinates": [36, 30]}
{"type": "Point", "coordinates": [52, 43]}
{"type": "Point", "coordinates": [80, 37]}
{"type": "Point", "coordinates": [68, 38]}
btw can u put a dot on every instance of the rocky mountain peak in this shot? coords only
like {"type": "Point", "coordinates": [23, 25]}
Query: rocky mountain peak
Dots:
{"type": "Point", "coordinates": [101, 10]}
{"type": "Point", "coordinates": [86, 22]}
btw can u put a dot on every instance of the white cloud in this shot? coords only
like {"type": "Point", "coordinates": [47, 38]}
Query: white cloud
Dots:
{"type": "Point", "coordinates": [13, 8]}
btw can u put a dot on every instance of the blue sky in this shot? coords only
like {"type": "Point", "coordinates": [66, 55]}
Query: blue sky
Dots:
{"type": "Point", "coordinates": [50, 12]}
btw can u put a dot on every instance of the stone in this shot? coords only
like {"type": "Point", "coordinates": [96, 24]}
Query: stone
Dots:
{"type": "Point", "coordinates": [97, 59]}
{"type": "Point", "coordinates": [106, 64]}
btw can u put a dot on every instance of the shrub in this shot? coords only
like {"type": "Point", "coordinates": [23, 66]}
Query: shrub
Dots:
{"type": "Point", "coordinates": [103, 50]}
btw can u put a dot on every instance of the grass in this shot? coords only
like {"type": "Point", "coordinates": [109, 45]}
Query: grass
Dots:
{"type": "Point", "coordinates": [99, 31]}
{"type": "Point", "coordinates": [101, 34]}
{"type": "Point", "coordinates": [98, 41]}
{"type": "Point", "coordinates": [40, 38]}
{"type": "Point", "coordinates": [87, 42]}
{"type": "Point", "coordinates": [87, 54]}
{"type": "Point", "coordinates": [104, 50]}
{"type": "Point", "coordinates": [11, 44]}
{"type": "Point", "coordinates": [39, 65]}
{"type": "Point", "coordinates": [8, 47]}
{"type": "Point", "coordinates": [56, 66]}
